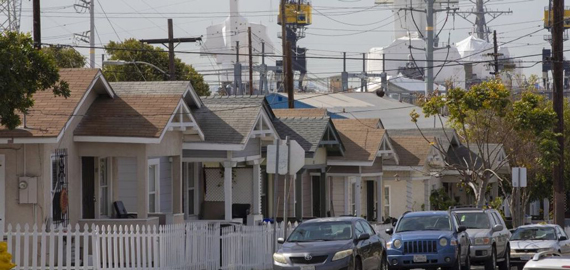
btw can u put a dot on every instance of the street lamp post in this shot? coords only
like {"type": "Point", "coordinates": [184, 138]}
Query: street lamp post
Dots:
{"type": "Point", "coordinates": [123, 63]}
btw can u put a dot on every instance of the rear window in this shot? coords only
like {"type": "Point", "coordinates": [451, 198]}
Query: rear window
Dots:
{"type": "Point", "coordinates": [474, 220]}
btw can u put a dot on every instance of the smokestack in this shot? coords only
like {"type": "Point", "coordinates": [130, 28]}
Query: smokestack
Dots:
{"type": "Point", "coordinates": [234, 7]}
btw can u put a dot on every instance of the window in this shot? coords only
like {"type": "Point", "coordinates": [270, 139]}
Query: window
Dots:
{"type": "Point", "coordinates": [59, 188]}
{"type": "Point", "coordinates": [474, 220]}
{"type": "Point", "coordinates": [367, 228]}
{"type": "Point", "coordinates": [153, 185]}
{"type": "Point", "coordinates": [387, 201]}
{"type": "Point", "coordinates": [191, 180]}
{"type": "Point", "coordinates": [104, 197]}
{"type": "Point", "coordinates": [358, 229]}
{"type": "Point", "coordinates": [321, 231]}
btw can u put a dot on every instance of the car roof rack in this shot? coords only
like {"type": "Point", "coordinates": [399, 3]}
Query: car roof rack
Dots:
{"type": "Point", "coordinates": [544, 254]}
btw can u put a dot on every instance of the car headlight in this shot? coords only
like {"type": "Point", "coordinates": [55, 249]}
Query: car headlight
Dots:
{"type": "Point", "coordinates": [482, 241]}
{"type": "Point", "coordinates": [397, 244]}
{"type": "Point", "coordinates": [279, 258]}
{"type": "Point", "coordinates": [342, 254]}
{"type": "Point", "coordinates": [443, 242]}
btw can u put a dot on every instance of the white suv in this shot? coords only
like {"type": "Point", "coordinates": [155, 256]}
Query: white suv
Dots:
{"type": "Point", "coordinates": [548, 260]}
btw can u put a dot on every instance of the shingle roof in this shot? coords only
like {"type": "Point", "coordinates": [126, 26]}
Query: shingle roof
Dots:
{"type": "Point", "coordinates": [307, 131]}
{"type": "Point", "coordinates": [411, 150]}
{"type": "Point", "coordinates": [459, 155]}
{"type": "Point", "coordinates": [49, 114]}
{"type": "Point", "coordinates": [141, 116]}
{"type": "Point", "coordinates": [300, 112]}
{"type": "Point", "coordinates": [150, 88]}
{"type": "Point", "coordinates": [428, 132]}
{"type": "Point", "coordinates": [361, 141]}
{"type": "Point", "coordinates": [354, 124]}
{"type": "Point", "coordinates": [228, 119]}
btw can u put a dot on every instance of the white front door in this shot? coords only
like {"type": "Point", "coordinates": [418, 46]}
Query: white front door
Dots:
{"type": "Point", "coordinates": [2, 193]}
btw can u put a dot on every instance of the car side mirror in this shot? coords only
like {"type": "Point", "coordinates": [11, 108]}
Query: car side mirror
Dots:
{"type": "Point", "coordinates": [461, 228]}
{"type": "Point", "coordinates": [389, 231]}
{"type": "Point", "coordinates": [280, 240]}
{"type": "Point", "coordinates": [363, 237]}
{"type": "Point", "coordinates": [498, 228]}
{"type": "Point", "coordinates": [562, 238]}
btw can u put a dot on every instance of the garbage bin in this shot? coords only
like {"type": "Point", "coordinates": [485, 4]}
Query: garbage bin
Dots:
{"type": "Point", "coordinates": [528, 220]}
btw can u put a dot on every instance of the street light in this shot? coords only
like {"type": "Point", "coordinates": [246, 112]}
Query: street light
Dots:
{"type": "Point", "coordinates": [123, 62]}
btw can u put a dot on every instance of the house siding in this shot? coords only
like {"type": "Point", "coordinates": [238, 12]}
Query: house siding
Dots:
{"type": "Point", "coordinates": [165, 185]}
{"type": "Point", "coordinates": [338, 192]}
{"type": "Point", "coordinates": [127, 183]}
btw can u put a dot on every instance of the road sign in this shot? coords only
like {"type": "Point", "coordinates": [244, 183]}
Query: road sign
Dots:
{"type": "Point", "coordinates": [294, 163]}
{"type": "Point", "coordinates": [519, 177]}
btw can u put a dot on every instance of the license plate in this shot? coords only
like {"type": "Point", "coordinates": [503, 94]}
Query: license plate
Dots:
{"type": "Point", "coordinates": [420, 258]}
{"type": "Point", "coordinates": [526, 258]}
{"type": "Point", "coordinates": [308, 267]}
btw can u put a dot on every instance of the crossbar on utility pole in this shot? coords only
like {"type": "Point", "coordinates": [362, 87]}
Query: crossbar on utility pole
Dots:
{"type": "Point", "coordinates": [495, 55]}
{"type": "Point", "coordinates": [171, 40]}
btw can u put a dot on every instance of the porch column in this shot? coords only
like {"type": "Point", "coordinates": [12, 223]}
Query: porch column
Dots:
{"type": "Point", "coordinates": [379, 198]}
{"type": "Point", "coordinates": [256, 208]}
{"type": "Point", "coordinates": [228, 200]}
{"type": "Point", "coordinates": [427, 192]}
{"type": "Point", "coordinates": [323, 193]}
{"type": "Point", "coordinates": [142, 187]}
{"type": "Point", "coordinates": [299, 195]}
{"type": "Point", "coordinates": [358, 197]}
{"type": "Point", "coordinates": [177, 189]}
{"type": "Point", "coordinates": [347, 196]}
{"type": "Point", "coordinates": [409, 198]}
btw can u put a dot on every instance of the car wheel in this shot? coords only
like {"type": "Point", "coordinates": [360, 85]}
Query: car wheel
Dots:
{"type": "Point", "coordinates": [492, 262]}
{"type": "Point", "coordinates": [467, 265]}
{"type": "Point", "coordinates": [357, 264]}
{"type": "Point", "coordinates": [506, 263]}
{"type": "Point", "coordinates": [384, 262]}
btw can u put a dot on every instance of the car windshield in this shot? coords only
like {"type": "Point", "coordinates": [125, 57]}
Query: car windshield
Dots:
{"type": "Point", "coordinates": [321, 231]}
{"type": "Point", "coordinates": [424, 223]}
{"type": "Point", "coordinates": [534, 233]}
{"type": "Point", "coordinates": [474, 220]}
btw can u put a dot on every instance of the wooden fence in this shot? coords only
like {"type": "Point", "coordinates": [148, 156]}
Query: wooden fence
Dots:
{"type": "Point", "coordinates": [196, 246]}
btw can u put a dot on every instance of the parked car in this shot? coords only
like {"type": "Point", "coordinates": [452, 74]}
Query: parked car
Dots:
{"type": "Point", "coordinates": [548, 260]}
{"type": "Point", "coordinates": [489, 237]}
{"type": "Point", "coordinates": [332, 243]}
{"type": "Point", "coordinates": [529, 240]}
{"type": "Point", "coordinates": [428, 240]}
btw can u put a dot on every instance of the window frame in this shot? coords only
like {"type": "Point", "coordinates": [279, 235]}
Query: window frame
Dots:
{"type": "Point", "coordinates": [108, 186]}
{"type": "Point", "coordinates": [156, 192]}
{"type": "Point", "coordinates": [190, 173]}
{"type": "Point", "coordinates": [387, 204]}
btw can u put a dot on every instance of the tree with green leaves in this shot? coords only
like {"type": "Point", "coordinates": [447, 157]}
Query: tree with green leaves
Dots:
{"type": "Point", "coordinates": [131, 50]}
{"type": "Point", "coordinates": [65, 57]}
{"type": "Point", "coordinates": [24, 71]}
{"type": "Point", "coordinates": [488, 119]}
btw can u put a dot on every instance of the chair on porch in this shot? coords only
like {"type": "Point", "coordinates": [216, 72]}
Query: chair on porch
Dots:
{"type": "Point", "coordinates": [122, 211]}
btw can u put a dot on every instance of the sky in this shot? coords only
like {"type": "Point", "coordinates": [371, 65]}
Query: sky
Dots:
{"type": "Point", "coordinates": [352, 26]}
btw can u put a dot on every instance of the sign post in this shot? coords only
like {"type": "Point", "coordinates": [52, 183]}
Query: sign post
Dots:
{"type": "Point", "coordinates": [519, 181]}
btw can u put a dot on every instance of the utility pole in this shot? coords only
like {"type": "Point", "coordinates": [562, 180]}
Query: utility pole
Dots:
{"type": "Point", "coordinates": [237, 72]}
{"type": "Point", "coordinates": [92, 34]}
{"type": "Point", "coordinates": [250, 61]}
{"type": "Point", "coordinates": [289, 72]}
{"type": "Point", "coordinates": [429, 48]}
{"type": "Point", "coordinates": [286, 57]}
{"type": "Point", "coordinates": [480, 26]}
{"type": "Point", "coordinates": [558, 102]}
{"type": "Point", "coordinates": [170, 41]}
{"type": "Point", "coordinates": [37, 25]}
{"type": "Point", "coordinates": [495, 55]}
{"type": "Point", "coordinates": [363, 79]}
{"type": "Point", "coordinates": [344, 75]}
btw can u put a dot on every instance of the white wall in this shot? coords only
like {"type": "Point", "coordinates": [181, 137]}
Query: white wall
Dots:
{"type": "Point", "coordinates": [165, 185]}
{"type": "Point", "coordinates": [127, 183]}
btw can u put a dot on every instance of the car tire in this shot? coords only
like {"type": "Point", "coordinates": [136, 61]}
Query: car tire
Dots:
{"type": "Point", "coordinates": [357, 264]}
{"type": "Point", "coordinates": [491, 262]}
{"type": "Point", "coordinates": [506, 263]}
{"type": "Point", "coordinates": [467, 265]}
{"type": "Point", "coordinates": [384, 262]}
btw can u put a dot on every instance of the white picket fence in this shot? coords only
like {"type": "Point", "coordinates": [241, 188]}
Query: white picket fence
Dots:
{"type": "Point", "coordinates": [196, 246]}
